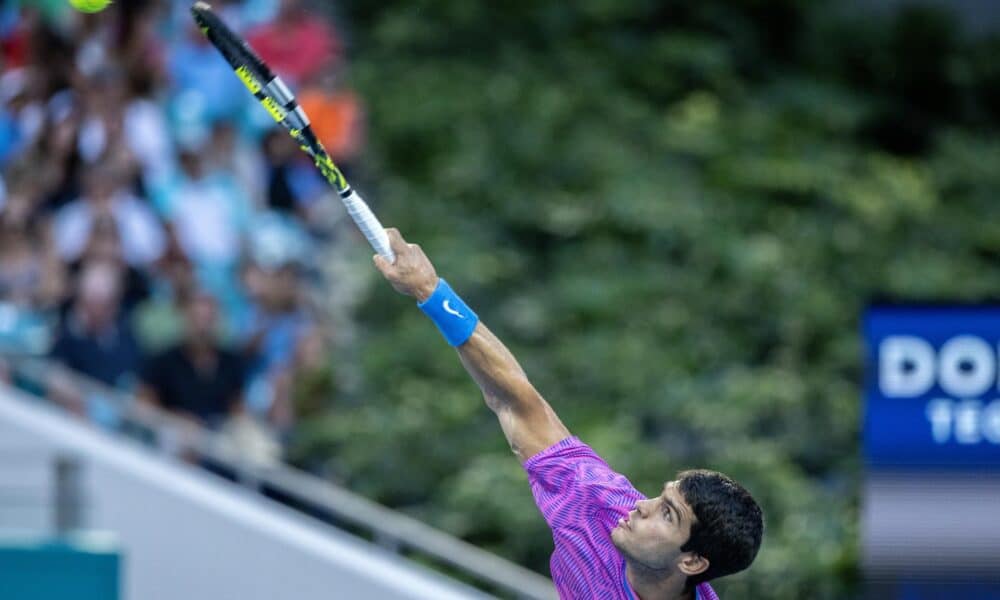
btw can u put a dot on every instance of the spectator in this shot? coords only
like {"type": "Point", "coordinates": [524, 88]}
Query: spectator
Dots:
{"type": "Point", "coordinates": [293, 184]}
{"type": "Point", "coordinates": [102, 129]}
{"type": "Point", "coordinates": [94, 38]}
{"type": "Point", "coordinates": [304, 390]}
{"type": "Point", "coordinates": [233, 157]}
{"type": "Point", "coordinates": [142, 236]}
{"type": "Point", "coordinates": [21, 114]}
{"type": "Point", "coordinates": [146, 130]}
{"type": "Point", "coordinates": [105, 245]}
{"type": "Point", "coordinates": [94, 338]}
{"type": "Point", "coordinates": [279, 324]}
{"type": "Point", "coordinates": [159, 322]}
{"type": "Point", "coordinates": [132, 166]}
{"type": "Point", "coordinates": [296, 44]}
{"type": "Point", "coordinates": [24, 111]}
{"type": "Point", "coordinates": [50, 163]}
{"type": "Point", "coordinates": [142, 52]}
{"type": "Point", "coordinates": [279, 321]}
{"type": "Point", "coordinates": [204, 89]}
{"type": "Point", "coordinates": [17, 27]}
{"type": "Point", "coordinates": [208, 210]}
{"type": "Point", "coordinates": [30, 283]}
{"type": "Point", "coordinates": [197, 378]}
{"type": "Point", "coordinates": [29, 277]}
{"type": "Point", "coordinates": [19, 201]}
{"type": "Point", "coordinates": [20, 271]}
{"type": "Point", "coordinates": [335, 111]}
{"type": "Point", "coordinates": [210, 216]}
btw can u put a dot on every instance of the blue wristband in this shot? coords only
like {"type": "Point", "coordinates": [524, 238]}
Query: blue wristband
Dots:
{"type": "Point", "coordinates": [452, 316]}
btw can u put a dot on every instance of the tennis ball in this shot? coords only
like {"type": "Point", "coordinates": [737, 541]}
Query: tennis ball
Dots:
{"type": "Point", "coordinates": [90, 6]}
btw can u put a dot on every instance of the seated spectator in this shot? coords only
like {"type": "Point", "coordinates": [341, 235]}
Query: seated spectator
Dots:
{"type": "Point", "coordinates": [296, 44]}
{"type": "Point", "coordinates": [279, 319]}
{"type": "Point", "coordinates": [293, 183]}
{"type": "Point", "coordinates": [20, 113]}
{"type": "Point", "coordinates": [102, 106]}
{"type": "Point", "coordinates": [105, 246]}
{"type": "Point", "coordinates": [146, 131]}
{"type": "Point", "coordinates": [279, 322]}
{"type": "Point", "coordinates": [197, 378]}
{"type": "Point", "coordinates": [335, 111]}
{"type": "Point", "coordinates": [29, 277]}
{"type": "Point", "coordinates": [142, 236]}
{"type": "Point", "coordinates": [306, 389]}
{"type": "Point", "coordinates": [210, 215]}
{"type": "Point", "coordinates": [140, 46]}
{"type": "Point", "coordinates": [20, 205]}
{"type": "Point", "coordinates": [94, 338]}
{"type": "Point", "coordinates": [30, 284]}
{"type": "Point", "coordinates": [204, 89]}
{"type": "Point", "coordinates": [47, 169]}
{"type": "Point", "coordinates": [20, 270]}
{"type": "Point", "coordinates": [239, 159]}
{"type": "Point", "coordinates": [15, 44]}
{"type": "Point", "coordinates": [159, 321]}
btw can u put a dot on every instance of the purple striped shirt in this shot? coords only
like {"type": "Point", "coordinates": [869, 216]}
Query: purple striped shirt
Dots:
{"type": "Point", "coordinates": [581, 498]}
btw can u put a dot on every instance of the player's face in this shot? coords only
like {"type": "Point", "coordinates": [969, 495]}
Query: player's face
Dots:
{"type": "Point", "coordinates": [655, 530]}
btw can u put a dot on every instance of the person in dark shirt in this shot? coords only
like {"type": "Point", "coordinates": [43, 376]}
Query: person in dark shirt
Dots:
{"type": "Point", "coordinates": [197, 378]}
{"type": "Point", "coordinates": [94, 338]}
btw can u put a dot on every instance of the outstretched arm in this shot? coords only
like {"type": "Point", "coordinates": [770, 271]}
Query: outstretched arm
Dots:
{"type": "Point", "coordinates": [526, 418]}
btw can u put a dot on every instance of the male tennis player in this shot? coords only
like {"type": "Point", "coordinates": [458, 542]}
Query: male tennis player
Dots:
{"type": "Point", "coordinates": [611, 542]}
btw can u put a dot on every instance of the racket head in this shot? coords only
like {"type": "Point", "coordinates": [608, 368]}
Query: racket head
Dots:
{"type": "Point", "coordinates": [276, 98]}
{"type": "Point", "coordinates": [233, 48]}
{"type": "Point", "coordinates": [280, 102]}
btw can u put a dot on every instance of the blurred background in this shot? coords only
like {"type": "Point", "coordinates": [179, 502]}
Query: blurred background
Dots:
{"type": "Point", "coordinates": [674, 213]}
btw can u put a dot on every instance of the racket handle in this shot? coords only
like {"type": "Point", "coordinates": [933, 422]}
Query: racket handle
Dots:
{"type": "Point", "coordinates": [369, 225]}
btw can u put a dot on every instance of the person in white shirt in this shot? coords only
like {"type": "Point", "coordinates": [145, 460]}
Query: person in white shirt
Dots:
{"type": "Point", "coordinates": [142, 236]}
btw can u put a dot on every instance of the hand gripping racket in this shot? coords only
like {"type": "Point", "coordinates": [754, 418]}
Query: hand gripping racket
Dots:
{"type": "Point", "coordinates": [280, 102]}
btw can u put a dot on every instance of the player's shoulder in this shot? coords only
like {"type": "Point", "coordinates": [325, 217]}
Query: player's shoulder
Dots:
{"type": "Point", "coordinates": [566, 453]}
{"type": "Point", "coordinates": [572, 465]}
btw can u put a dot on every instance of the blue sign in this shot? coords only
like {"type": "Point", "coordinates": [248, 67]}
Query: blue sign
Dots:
{"type": "Point", "coordinates": [933, 386]}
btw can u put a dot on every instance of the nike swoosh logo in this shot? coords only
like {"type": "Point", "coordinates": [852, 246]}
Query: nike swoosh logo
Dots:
{"type": "Point", "coordinates": [451, 310]}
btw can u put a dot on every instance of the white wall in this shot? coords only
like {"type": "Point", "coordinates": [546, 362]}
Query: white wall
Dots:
{"type": "Point", "coordinates": [186, 534]}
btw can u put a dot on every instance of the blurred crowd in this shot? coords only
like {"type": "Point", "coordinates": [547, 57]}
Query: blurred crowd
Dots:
{"type": "Point", "coordinates": [156, 228]}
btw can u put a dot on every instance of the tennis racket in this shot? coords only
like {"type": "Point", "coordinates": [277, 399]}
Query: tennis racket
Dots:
{"type": "Point", "coordinates": [280, 103]}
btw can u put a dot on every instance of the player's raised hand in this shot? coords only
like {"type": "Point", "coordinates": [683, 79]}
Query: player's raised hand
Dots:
{"type": "Point", "coordinates": [412, 273]}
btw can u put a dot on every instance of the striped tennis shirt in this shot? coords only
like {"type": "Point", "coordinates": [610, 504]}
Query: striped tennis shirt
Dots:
{"type": "Point", "coordinates": [582, 498]}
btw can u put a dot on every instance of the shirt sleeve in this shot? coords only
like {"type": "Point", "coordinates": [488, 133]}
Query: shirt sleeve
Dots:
{"type": "Point", "coordinates": [235, 379]}
{"type": "Point", "coordinates": [61, 350]}
{"type": "Point", "coordinates": [573, 485]}
{"type": "Point", "coordinates": [153, 374]}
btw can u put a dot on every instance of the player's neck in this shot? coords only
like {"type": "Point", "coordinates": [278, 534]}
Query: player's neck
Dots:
{"type": "Point", "coordinates": [655, 585]}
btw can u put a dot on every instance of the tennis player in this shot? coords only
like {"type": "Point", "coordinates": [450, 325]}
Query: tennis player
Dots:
{"type": "Point", "coordinates": [611, 542]}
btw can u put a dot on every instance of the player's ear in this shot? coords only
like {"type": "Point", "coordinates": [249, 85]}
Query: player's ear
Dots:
{"type": "Point", "coordinates": [692, 563]}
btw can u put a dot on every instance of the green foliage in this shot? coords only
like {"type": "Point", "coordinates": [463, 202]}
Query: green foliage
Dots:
{"type": "Point", "coordinates": [674, 213]}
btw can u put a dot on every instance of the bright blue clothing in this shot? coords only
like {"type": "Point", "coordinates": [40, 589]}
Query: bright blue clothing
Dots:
{"type": "Point", "coordinates": [205, 82]}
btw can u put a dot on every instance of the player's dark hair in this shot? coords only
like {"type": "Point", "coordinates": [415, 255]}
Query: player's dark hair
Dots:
{"type": "Point", "coordinates": [728, 527]}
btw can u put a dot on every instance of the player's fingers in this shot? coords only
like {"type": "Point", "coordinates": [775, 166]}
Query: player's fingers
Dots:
{"type": "Point", "coordinates": [381, 264]}
{"type": "Point", "coordinates": [396, 241]}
